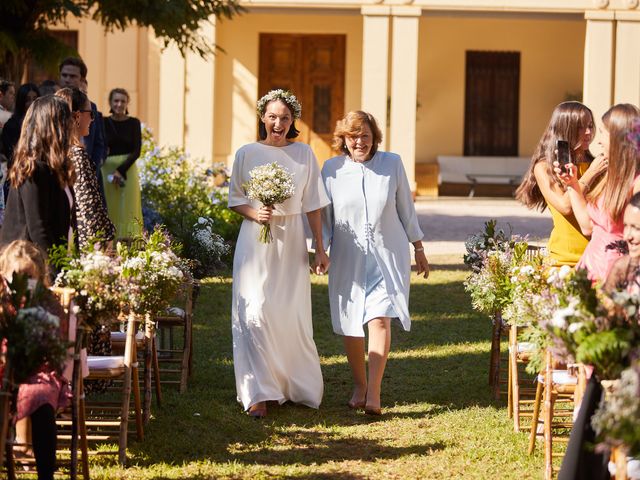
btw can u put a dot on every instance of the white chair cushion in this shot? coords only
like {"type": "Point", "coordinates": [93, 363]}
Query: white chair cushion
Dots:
{"type": "Point", "coordinates": [560, 377]}
{"type": "Point", "coordinates": [525, 347]}
{"type": "Point", "coordinates": [103, 363]}
{"type": "Point", "coordinates": [121, 337]}
{"type": "Point", "coordinates": [177, 311]}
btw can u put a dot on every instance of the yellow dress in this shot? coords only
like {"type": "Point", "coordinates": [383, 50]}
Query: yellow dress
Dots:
{"type": "Point", "coordinates": [566, 242]}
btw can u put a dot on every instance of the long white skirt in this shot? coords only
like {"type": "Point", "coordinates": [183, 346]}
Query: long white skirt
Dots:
{"type": "Point", "coordinates": [274, 355]}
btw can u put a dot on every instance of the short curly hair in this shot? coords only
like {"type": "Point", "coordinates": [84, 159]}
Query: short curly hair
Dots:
{"type": "Point", "coordinates": [352, 124]}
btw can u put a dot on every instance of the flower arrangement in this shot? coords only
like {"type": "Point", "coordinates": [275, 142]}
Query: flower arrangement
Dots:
{"type": "Point", "coordinates": [32, 333]}
{"type": "Point", "coordinates": [478, 246]}
{"type": "Point", "coordinates": [151, 272]}
{"type": "Point", "coordinates": [207, 247]}
{"type": "Point", "coordinates": [528, 282]}
{"type": "Point", "coordinates": [269, 184]}
{"type": "Point", "coordinates": [490, 285]}
{"type": "Point", "coordinates": [284, 96]}
{"type": "Point", "coordinates": [617, 421]}
{"type": "Point", "coordinates": [592, 327]}
{"type": "Point", "coordinates": [177, 191]}
{"type": "Point", "coordinates": [95, 276]}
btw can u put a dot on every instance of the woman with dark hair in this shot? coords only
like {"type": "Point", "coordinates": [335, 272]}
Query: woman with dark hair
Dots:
{"type": "Point", "coordinates": [274, 355]}
{"type": "Point", "coordinates": [92, 217]}
{"type": "Point", "coordinates": [600, 210]}
{"type": "Point", "coordinates": [371, 222]}
{"type": "Point", "coordinates": [541, 187]}
{"type": "Point", "coordinates": [119, 172]}
{"type": "Point", "coordinates": [40, 207]}
{"type": "Point", "coordinates": [25, 96]}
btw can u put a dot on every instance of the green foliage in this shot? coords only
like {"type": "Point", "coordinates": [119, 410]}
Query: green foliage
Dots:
{"type": "Point", "coordinates": [32, 334]}
{"type": "Point", "coordinates": [606, 350]}
{"type": "Point", "coordinates": [190, 201]}
{"type": "Point", "coordinates": [24, 25]}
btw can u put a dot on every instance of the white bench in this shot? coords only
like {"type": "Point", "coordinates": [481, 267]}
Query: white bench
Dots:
{"type": "Point", "coordinates": [482, 170]}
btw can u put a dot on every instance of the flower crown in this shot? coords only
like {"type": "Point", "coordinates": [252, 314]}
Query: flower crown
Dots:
{"type": "Point", "coordinates": [285, 96]}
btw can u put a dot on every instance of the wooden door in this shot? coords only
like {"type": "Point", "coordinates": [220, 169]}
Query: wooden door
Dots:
{"type": "Point", "coordinates": [492, 103]}
{"type": "Point", "coordinates": [312, 67]}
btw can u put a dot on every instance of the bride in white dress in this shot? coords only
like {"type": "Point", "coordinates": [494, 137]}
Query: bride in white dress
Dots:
{"type": "Point", "coordinates": [274, 355]}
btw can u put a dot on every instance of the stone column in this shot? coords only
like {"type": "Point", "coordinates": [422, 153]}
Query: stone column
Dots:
{"type": "Point", "coordinates": [375, 64]}
{"type": "Point", "coordinates": [627, 58]}
{"type": "Point", "coordinates": [171, 110]}
{"type": "Point", "coordinates": [199, 100]}
{"type": "Point", "coordinates": [599, 61]}
{"type": "Point", "coordinates": [404, 86]}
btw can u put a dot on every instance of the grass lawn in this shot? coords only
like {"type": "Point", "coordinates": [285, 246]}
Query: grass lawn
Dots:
{"type": "Point", "coordinates": [439, 418]}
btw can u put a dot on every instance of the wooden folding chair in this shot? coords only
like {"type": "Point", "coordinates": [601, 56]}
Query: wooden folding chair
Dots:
{"type": "Point", "coordinates": [554, 385]}
{"type": "Point", "coordinates": [71, 433]}
{"type": "Point", "coordinates": [146, 346]}
{"type": "Point", "coordinates": [180, 354]}
{"type": "Point", "coordinates": [519, 397]}
{"type": "Point", "coordinates": [110, 420]}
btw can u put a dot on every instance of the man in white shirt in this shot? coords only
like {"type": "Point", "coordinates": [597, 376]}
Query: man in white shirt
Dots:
{"type": "Point", "coordinates": [7, 101]}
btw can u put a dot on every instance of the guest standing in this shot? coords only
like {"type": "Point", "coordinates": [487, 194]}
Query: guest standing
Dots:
{"type": "Point", "coordinates": [542, 188]}
{"type": "Point", "coordinates": [40, 207]}
{"type": "Point", "coordinates": [274, 355]}
{"type": "Point", "coordinates": [72, 71]}
{"type": "Point", "coordinates": [27, 93]}
{"type": "Point", "coordinates": [120, 173]}
{"type": "Point", "coordinates": [7, 101]}
{"type": "Point", "coordinates": [371, 222]}
{"type": "Point", "coordinates": [600, 211]}
{"type": "Point", "coordinates": [91, 215]}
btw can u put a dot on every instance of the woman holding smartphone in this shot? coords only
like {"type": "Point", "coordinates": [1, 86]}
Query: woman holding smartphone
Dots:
{"type": "Point", "coordinates": [600, 210]}
{"type": "Point", "coordinates": [571, 122]}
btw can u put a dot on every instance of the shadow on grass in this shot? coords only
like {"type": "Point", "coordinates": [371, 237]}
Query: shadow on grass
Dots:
{"type": "Point", "coordinates": [433, 369]}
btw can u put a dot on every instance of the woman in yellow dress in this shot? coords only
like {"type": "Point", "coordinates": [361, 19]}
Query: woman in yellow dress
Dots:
{"type": "Point", "coordinates": [541, 187]}
{"type": "Point", "coordinates": [119, 172]}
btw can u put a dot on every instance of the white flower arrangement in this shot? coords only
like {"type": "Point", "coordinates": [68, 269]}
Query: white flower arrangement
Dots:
{"type": "Point", "coordinates": [284, 96]}
{"type": "Point", "coordinates": [151, 273]}
{"type": "Point", "coordinates": [95, 276]}
{"type": "Point", "coordinates": [269, 184]}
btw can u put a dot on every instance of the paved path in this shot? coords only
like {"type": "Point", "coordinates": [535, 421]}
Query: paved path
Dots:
{"type": "Point", "coordinates": [448, 221]}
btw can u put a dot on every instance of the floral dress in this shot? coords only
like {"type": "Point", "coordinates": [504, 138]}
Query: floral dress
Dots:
{"type": "Point", "coordinates": [92, 217]}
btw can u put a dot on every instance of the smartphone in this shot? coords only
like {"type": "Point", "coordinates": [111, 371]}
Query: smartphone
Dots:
{"type": "Point", "coordinates": [564, 154]}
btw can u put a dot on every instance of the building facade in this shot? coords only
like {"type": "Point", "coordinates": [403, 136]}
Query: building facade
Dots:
{"type": "Point", "coordinates": [446, 77]}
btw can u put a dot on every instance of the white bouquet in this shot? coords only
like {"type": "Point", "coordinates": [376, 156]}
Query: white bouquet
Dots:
{"type": "Point", "coordinates": [269, 184]}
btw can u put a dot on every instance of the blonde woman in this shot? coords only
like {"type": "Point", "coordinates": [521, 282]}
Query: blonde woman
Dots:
{"type": "Point", "coordinates": [371, 222]}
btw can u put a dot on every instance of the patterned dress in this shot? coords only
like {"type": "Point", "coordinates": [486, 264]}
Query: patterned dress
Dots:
{"type": "Point", "coordinates": [93, 219]}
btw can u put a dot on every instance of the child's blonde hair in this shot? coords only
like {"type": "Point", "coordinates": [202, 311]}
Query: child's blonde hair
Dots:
{"type": "Point", "coordinates": [22, 256]}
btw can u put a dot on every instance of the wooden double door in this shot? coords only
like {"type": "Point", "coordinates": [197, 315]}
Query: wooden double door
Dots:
{"type": "Point", "coordinates": [312, 67]}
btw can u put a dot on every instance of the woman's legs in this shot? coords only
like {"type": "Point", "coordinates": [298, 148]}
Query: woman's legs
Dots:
{"type": "Point", "coordinates": [354, 347]}
{"type": "Point", "coordinates": [23, 435]}
{"type": "Point", "coordinates": [43, 430]}
{"type": "Point", "coordinates": [379, 344]}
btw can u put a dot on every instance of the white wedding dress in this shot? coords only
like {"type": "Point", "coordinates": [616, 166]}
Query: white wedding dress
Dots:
{"type": "Point", "coordinates": [274, 355]}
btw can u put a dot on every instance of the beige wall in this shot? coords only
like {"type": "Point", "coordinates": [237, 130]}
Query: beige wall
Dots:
{"type": "Point", "coordinates": [551, 66]}
{"type": "Point", "coordinates": [236, 78]}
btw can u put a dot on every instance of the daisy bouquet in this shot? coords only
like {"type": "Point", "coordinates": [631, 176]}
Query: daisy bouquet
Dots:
{"type": "Point", "coordinates": [269, 184]}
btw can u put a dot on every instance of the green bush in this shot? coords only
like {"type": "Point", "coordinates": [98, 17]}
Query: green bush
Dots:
{"type": "Point", "coordinates": [190, 200]}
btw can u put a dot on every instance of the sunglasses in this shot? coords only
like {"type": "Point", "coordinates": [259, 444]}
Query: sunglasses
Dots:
{"type": "Point", "coordinates": [91, 113]}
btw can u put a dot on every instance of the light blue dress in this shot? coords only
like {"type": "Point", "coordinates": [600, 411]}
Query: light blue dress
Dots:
{"type": "Point", "coordinates": [368, 227]}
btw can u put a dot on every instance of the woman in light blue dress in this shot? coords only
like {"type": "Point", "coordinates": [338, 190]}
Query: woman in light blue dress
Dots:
{"type": "Point", "coordinates": [369, 226]}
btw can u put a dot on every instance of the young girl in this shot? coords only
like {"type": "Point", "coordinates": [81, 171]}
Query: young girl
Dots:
{"type": "Point", "coordinates": [599, 212]}
{"type": "Point", "coordinates": [541, 187]}
{"type": "Point", "coordinates": [46, 391]}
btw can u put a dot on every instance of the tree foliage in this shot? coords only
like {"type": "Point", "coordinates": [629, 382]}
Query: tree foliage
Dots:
{"type": "Point", "coordinates": [24, 25]}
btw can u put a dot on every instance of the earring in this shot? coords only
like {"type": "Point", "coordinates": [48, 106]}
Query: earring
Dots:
{"type": "Point", "coordinates": [77, 124]}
